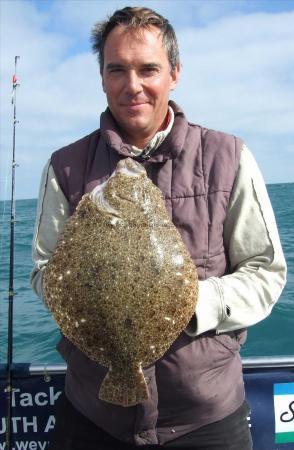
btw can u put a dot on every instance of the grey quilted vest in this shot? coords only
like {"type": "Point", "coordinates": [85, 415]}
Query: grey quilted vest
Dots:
{"type": "Point", "coordinates": [199, 380]}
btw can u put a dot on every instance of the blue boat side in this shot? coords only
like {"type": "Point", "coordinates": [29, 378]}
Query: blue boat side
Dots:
{"type": "Point", "coordinates": [269, 384]}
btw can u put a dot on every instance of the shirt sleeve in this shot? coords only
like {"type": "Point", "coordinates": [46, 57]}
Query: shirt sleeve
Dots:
{"type": "Point", "coordinates": [52, 214]}
{"type": "Point", "coordinates": [257, 264]}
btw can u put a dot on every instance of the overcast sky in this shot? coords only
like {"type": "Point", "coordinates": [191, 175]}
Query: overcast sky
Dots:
{"type": "Point", "coordinates": [237, 76]}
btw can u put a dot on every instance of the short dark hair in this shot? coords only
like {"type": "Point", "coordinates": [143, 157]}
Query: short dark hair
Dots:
{"type": "Point", "coordinates": [135, 18]}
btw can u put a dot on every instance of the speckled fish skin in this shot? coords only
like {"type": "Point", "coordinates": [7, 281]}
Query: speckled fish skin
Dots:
{"type": "Point", "coordinates": [121, 284]}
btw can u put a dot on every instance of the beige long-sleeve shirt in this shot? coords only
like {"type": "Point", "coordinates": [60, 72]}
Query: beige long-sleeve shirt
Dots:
{"type": "Point", "coordinates": [231, 302]}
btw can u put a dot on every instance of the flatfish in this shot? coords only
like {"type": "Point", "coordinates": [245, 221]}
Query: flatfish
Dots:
{"type": "Point", "coordinates": [121, 285]}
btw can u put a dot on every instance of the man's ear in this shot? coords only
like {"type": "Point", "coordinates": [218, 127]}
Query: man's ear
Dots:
{"type": "Point", "coordinates": [103, 86]}
{"type": "Point", "coordinates": [175, 76]}
{"type": "Point", "coordinates": [102, 81]}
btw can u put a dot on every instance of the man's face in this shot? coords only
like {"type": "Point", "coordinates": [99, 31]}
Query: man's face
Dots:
{"type": "Point", "coordinates": [137, 80]}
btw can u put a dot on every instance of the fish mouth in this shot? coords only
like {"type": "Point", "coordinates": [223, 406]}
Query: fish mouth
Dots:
{"type": "Point", "coordinates": [98, 198]}
{"type": "Point", "coordinates": [127, 167]}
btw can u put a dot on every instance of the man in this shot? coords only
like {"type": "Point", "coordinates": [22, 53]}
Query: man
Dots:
{"type": "Point", "coordinates": [217, 199]}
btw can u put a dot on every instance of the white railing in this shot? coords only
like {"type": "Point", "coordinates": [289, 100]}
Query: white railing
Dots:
{"type": "Point", "coordinates": [254, 362]}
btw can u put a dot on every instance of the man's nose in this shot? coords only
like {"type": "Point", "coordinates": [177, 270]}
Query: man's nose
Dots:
{"type": "Point", "coordinates": [133, 83]}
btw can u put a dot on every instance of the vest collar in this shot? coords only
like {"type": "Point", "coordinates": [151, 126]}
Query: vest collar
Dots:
{"type": "Point", "coordinates": [169, 149]}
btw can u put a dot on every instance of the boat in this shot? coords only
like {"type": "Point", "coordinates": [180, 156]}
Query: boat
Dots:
{"type": "Point", "coordinates": [269, 384]}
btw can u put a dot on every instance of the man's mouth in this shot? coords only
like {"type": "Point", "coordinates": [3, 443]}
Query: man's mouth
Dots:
{"type": "Point", "coordinates": [130, 105]}
{"type": "Point", "coordinates": [134, 106]}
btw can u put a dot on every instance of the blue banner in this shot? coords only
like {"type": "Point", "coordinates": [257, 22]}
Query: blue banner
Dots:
{"type": "Point", "coordinates": [33, 405]}
{"type": "Point", "coordinates": [267, 412]}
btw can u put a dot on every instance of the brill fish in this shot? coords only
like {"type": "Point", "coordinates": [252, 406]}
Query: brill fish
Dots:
{"type": "Point", "coordinates": [121, 285]}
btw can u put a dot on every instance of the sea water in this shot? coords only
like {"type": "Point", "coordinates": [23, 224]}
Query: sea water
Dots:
{"type": "Point", "coordinates": [35, 334]}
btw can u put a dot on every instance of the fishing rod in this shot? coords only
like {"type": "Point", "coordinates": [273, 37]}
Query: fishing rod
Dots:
{"type": "Point", "coordinates": [11, 293]}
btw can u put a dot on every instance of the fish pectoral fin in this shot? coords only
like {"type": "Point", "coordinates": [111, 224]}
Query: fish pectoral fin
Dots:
{"type": "Point", "coordinates": [124, 387]}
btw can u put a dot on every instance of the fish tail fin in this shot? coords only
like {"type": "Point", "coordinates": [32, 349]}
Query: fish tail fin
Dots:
{"type": "Point", "coordinates": [124, 390]}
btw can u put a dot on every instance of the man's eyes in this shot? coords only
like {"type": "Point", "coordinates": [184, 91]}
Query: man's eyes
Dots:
{"type": "Point", "coordinates": [145, 71]}
{"type": "Point", "coordinates": [150, 70]}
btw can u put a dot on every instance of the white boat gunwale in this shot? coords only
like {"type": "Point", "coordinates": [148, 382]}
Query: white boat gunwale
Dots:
{"type": "Point", "coordinates": [253, 362]}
